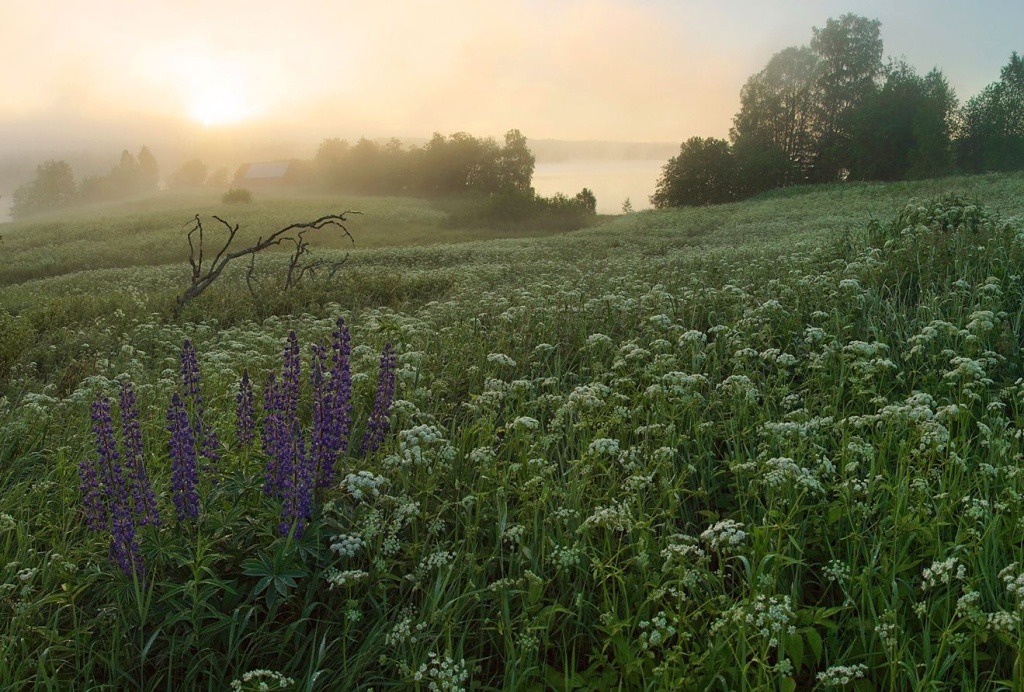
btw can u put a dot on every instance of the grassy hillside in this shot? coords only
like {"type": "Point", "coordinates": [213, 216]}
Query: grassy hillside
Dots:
{"type": "Point", "coordinates": [151, 231]}
{"type": "Point", "coordinates": [763, 445]}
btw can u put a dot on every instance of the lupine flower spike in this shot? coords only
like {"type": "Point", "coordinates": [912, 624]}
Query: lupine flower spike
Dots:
{"type": "Point", "coordinates": [143, 498]}
{"type": "Point", "coordinates": [203, 433]}
{"type": "Point", "coordinates": [184, 473]}
{"type": "Point", "coordinates": [377, 424]}
{"type": "Point", "coordinates": [107, 497]}
{"type": "Point", "coordinates": [245, 410]}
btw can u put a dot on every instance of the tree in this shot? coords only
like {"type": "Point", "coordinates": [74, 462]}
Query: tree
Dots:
{"type": "Point", "coordinates": [903, 130]}
{"type": "Point", "coordinates": [330, 160]}
{"type": "Point", "coordinates": [459, 163]}
{"type": "Point", "coordinates": [191, 174]}
{"type": "Point", "coordinates": [703, 173]}
{"type": "Point", "coordinates": [124, 177]}
{"type": "Point", "coordinates": [586, 200]}
{"type": "Point", "coordinates": [149, 170]}
{"type": "Point", "coordinates": [53, 188]}
{"type": "Point", "coordinates": [773, 129]}
{"type": "Point", "coordinates": [515, 163]}
{"type": "Point", "coordinates": [991, 133]}
{"type": "Point", "coordinates": [219, 178]}
{"type": "Point", "coordinates": [850, 49]}
{"type": "Point", "coordinates": [933, 129]}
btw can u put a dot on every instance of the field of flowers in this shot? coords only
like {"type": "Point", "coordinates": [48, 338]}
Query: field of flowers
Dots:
{"type": "Point", "coordinates": [769, 445]}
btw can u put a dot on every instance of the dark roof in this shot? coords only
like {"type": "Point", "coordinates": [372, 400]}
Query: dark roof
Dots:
{"type": "Point", "coordinates": [265, 170]}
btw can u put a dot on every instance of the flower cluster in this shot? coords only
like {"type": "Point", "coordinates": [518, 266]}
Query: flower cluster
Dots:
{"type": "Point", "coordinates": [840, 676]}
{"type": "Point", "coordinates": [725, 536]}
{"type": "Point", "coordinates": [204, 434]}
{"type": "Point", "coordinates": [184, 469]}
{"type": "Point", "coordinates": [116, 495]}
{"type": "Point", "coordinates": [245, 410]}
{"type": "Point", "coordinates": [442, 674]}
{"type": "Point", "coordinates": [262, 680]}
{"type": "Point", "coordinates": [116, 492]}
{"type": "Point", "coordinates": [296, 466]}
{"type": "Point", "coordinates": [377, 424]}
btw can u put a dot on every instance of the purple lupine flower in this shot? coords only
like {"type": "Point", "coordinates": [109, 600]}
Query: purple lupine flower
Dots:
{"type": "Point", "coordinates": [107, 497]}
{"type": "Point", "coordinates": [143, 499]}
{"type": "Point", "coordinates": [280, 405]}
{"type": "Point", "coordinates": [184, 473]}
{"type": "Point", "coordinates": [320, 449]}
{"type": "Point", "coordinates": [274, 436]}
{"type": "Point", "coordinates": [377, 424]}
{"type": "Point", "coordinates": [245, 410]}
{"type": "Point", "coordinates": [202, 432]}
{"type": "Point", "coordinates": [124, 545]}
{"type": "Point", "coordinates": [338, 417]}
{"type": "Point", "coordinates": [94, 474]}
{"type": "Point", "coordinates": [298, 490]}
{"type": "Point", "coordinates": [290, 378]}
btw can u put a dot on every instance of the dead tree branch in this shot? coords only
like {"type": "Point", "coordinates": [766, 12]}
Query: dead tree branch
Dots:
{"type": "Point", "coordinates": [294, 233]}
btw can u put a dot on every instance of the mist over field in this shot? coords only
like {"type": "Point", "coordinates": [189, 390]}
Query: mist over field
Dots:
{"type": "Point", "coordinates": [228, 83]}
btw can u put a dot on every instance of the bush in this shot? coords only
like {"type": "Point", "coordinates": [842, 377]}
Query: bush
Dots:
{"type": "Point", "coordinates": [525, 209]}
{"type": "Point", "coordinates": [933, 244]}
{"type": "Point", "coordinates": [703, 173]}
{"type": "Point", "coordinates": [237, 195]}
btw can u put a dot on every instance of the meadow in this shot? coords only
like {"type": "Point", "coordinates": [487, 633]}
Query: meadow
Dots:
{"type": "Point", "coordinates": [766, 445]}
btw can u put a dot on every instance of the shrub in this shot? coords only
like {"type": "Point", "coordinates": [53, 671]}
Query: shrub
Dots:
{"type": "Point", "coordinates": [933, 243]}
{"type": "Point", "coordinates": [237, 195]}
{"type": "Point", "coordinates": [526, 209]}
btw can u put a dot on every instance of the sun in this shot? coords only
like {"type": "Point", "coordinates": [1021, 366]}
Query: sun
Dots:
{"type": "Point", "coordinates": [219, 107]}
{"type": "Point", "coordinates": [218, 89]}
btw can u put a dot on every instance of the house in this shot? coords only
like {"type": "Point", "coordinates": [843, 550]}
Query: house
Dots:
{"type": "Point", "coordinates": [263, 174]}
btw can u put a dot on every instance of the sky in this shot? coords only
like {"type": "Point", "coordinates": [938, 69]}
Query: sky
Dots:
{"type": "Point", "coordinates": [78, 73]}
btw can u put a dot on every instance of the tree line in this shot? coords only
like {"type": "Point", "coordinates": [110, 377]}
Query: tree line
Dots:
{"type": "Point", "coordinates": [135, 175]}
{"type": "Point", "coordinates": [55, 187]}
{"type": "Point", "coordinates": [498, 177]}
{"type": "Point", "coordinates": [834, 110]}
{"type": "Point", "coordinates": [442, 167]}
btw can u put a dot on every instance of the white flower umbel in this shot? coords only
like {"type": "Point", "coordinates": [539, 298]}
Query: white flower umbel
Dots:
{"type": "Point", "coordinates": [725, 536]}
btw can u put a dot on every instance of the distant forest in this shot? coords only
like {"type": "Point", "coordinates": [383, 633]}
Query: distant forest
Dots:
{"type": "Point", "coordinates": [498, 177]}
{"type": "Point", "coordinates": [833, 111]}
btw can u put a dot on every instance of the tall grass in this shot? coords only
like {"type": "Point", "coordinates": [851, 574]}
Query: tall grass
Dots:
{"type": "Point", "coordinates": [763, 445]}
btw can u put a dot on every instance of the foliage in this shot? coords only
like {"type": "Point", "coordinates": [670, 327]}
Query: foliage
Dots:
{"type": "Point", "coordinates": [237, 195]}
{"type": "Point", "coordinates": [830, 111]}
{"type": "Point", "coordinates": [704, 172]}
{"type": "Point", "coordinates": [992, 124]}
{"type": "Point", "coordinates": [53, 188]}
{"type": "Point", "coordinates": [903, 130]}
{"type": "Point", "coordinates": [773, 129]}
{"type": "Point", "coordinates": [192, 173]}
{"type": "Point", "coordinates": [510, 209]}
{"type": "Point", "coordinates": [444, 166]}
{"type": "Point", "coordinates": [850, 49]}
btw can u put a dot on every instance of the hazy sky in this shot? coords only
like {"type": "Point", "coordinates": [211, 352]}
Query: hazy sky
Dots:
{"type": "Point", "coordinates": [637, 70]}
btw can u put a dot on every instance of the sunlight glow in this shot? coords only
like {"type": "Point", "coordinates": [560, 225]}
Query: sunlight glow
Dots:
{"type": "Point", "coordinates": [219, 89]}
{"type": "Point", "coordinates": [216, 107]}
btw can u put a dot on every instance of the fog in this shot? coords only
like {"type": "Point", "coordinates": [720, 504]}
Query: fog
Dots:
{"type": "Point", "coordinates": [230, 81]}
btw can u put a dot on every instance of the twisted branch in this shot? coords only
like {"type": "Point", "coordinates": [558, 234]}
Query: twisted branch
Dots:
{"type": "Point", "coordinates": [295, 233]}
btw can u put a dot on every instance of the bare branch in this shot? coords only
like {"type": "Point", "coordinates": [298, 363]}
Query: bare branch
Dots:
{"type": "Point", "coordinates": [294, 233]}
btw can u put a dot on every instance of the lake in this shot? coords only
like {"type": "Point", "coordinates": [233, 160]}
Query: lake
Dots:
{"type": "Point", "coordinates": [612, 181]}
